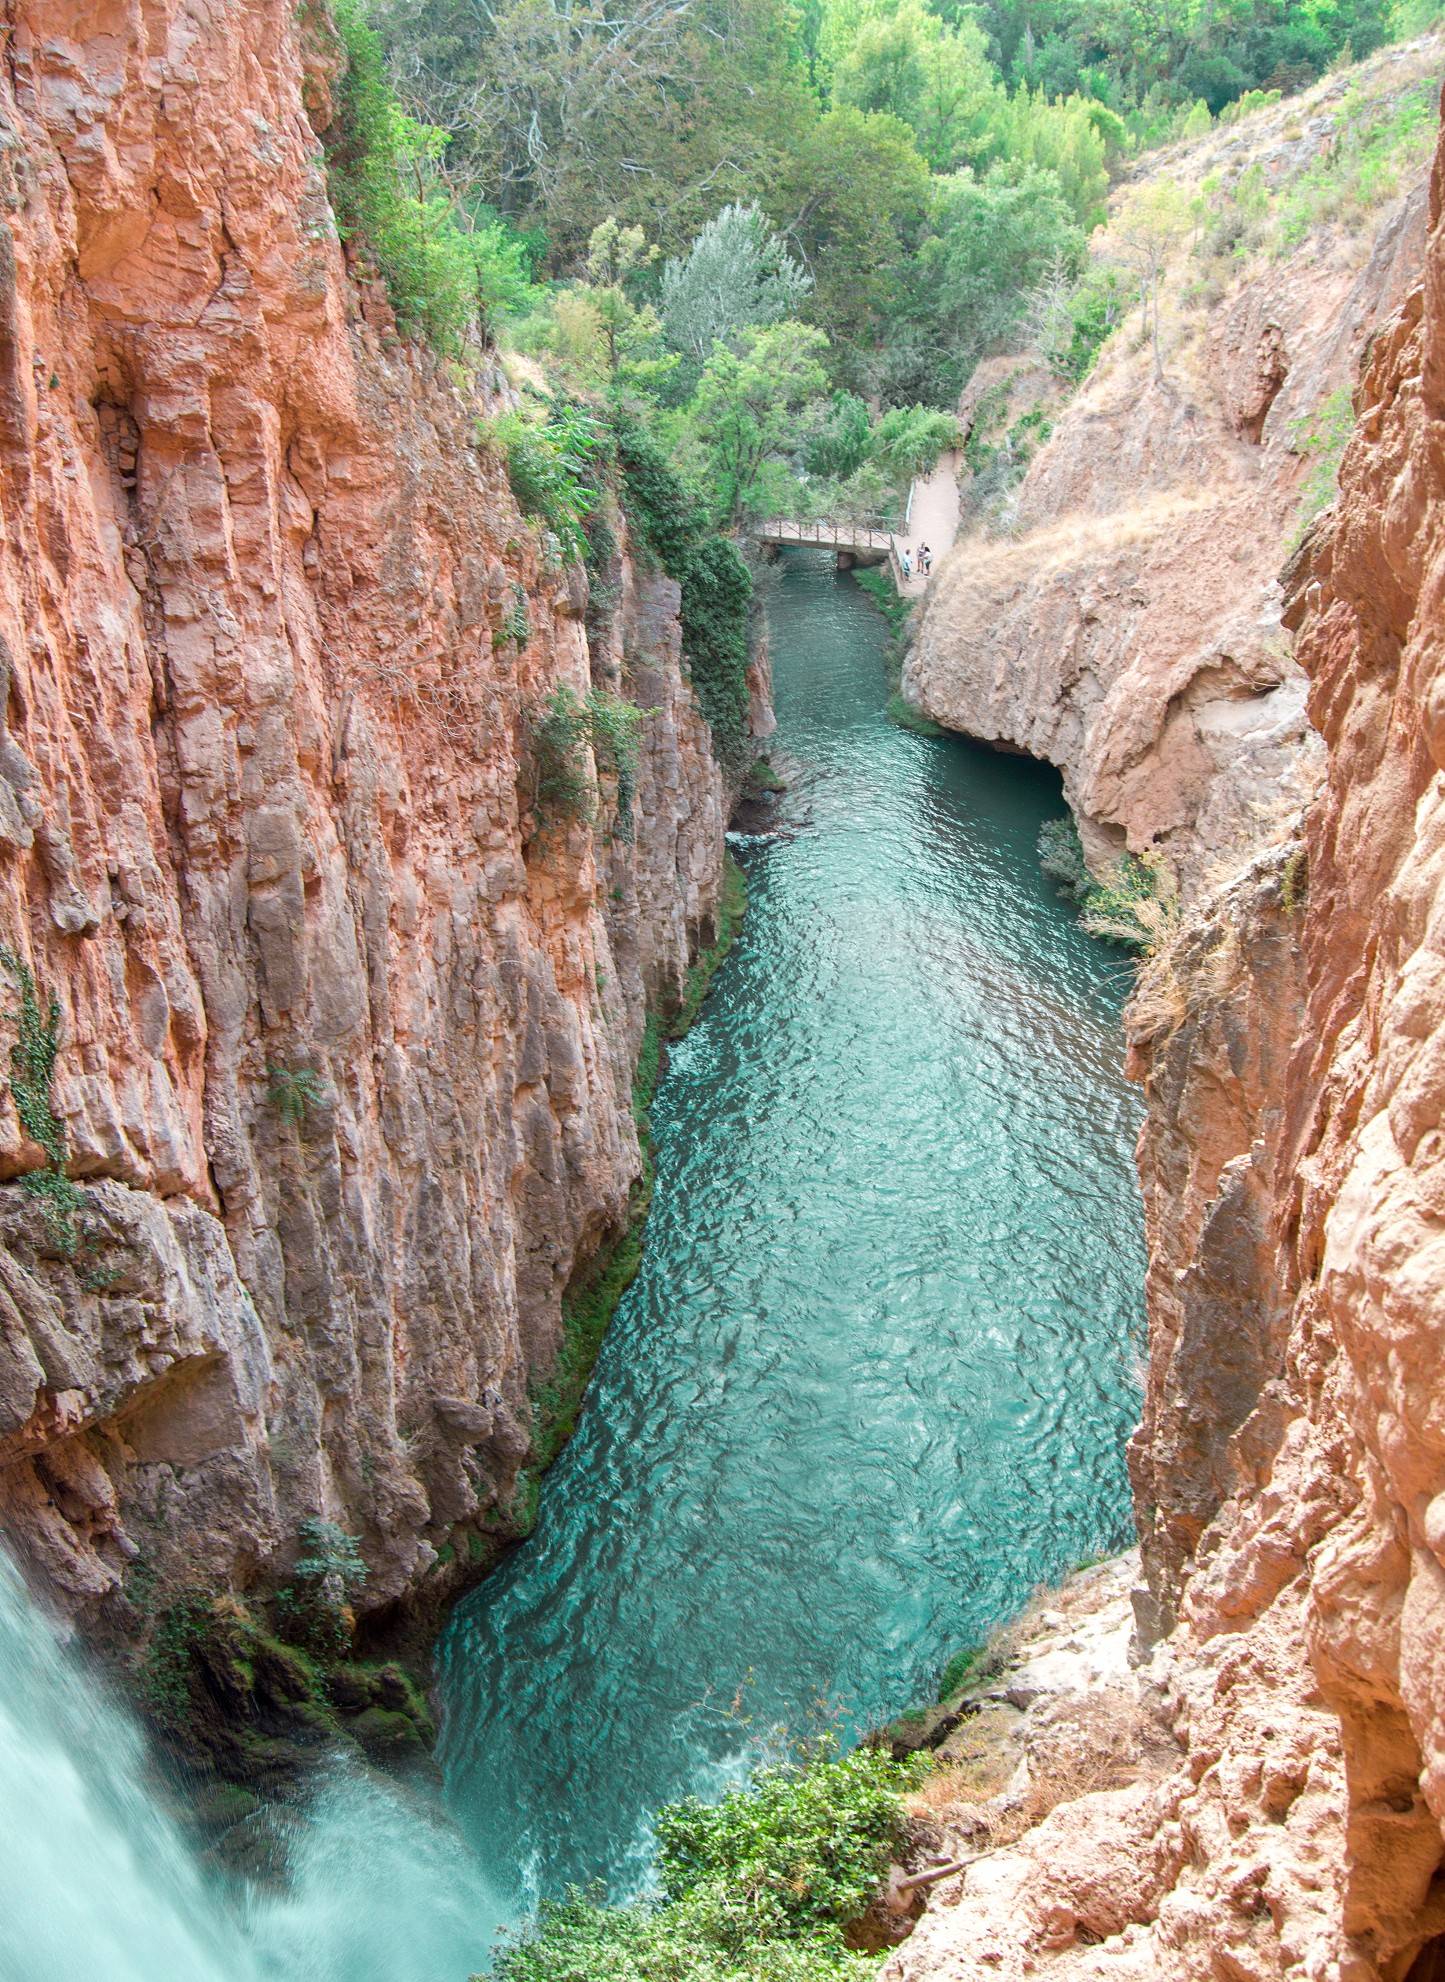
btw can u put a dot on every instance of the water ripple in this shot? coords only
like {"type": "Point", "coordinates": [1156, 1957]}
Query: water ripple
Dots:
{"type": "Point", "coordinates": [873, 1382]}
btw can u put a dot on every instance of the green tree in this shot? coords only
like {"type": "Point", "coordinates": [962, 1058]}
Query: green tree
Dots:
{"type": "Point", "coordinates": [904, 61]}
{"type": "Point", "coordinates": [1153, 222]}
{"type": "Point", "coordinates": [994, 239]}
{"type": "Point", "coordinates": [853, 199]}
{"type": "Point", "coordinates": [737, 275]}
{"type": "Point", "coordinates": [749, 405]}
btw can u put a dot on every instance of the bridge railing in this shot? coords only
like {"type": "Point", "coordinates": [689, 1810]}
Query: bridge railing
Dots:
{"type": "Point", "coordinates": [829, 536]}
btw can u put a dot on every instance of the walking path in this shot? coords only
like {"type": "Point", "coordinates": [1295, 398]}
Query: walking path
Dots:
{"type": "Point", "coordinates": [932, 519]}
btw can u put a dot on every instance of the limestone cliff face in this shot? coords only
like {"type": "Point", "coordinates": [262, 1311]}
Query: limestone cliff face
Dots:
{"type": "Point", "coordinates": [271, 629]}
{"type": "Point", "coordinates": [1291, 1465]}
{"type": "Point", "coordinates": [1122, 619]}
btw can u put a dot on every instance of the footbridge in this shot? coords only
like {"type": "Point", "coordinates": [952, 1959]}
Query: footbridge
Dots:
{"type": "Point", "coordinates": [931, 518]}
{"type": "Point", "coordinates": [850, 540]}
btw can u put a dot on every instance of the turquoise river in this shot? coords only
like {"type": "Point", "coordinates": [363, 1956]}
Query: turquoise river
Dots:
{"type": "Point", "coordinates": [873, 1382]}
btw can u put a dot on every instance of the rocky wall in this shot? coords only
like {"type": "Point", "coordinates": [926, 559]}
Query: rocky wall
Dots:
{"type": "Point", "coordinates": [346, 1024]}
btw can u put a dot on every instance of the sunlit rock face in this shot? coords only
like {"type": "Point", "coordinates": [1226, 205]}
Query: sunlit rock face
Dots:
{"type": "Point", "coordinates": [1292, 1458]}
{"type": "Point", "coordinates": [346, 1028]}
{"type": "Point", "coordinates": [1124, 621]}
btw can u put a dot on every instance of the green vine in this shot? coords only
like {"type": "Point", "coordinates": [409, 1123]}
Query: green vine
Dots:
{"type": "Point", "coordinates": [566, 727]}
{"type": "Point", "coordinates": [32, 1077]}
{"type": "Point", "coordinates": [715, 584]}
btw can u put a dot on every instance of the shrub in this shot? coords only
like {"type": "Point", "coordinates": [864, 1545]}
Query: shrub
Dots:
{"type": "Point", "coordinates": [667, 516]}
{"type": "Point", "coordinates": [756, 1888]}
{"type": "Point", "coordinates": [910, 439]}
{"type": "Point", "coordinates": [1061, 856]}
{"type": "Point", "coordinates": [1294, 882]}
{"type": "Point", "coordinates": [611, 728]}
{"type": "Point", "coordinates": [562, 787]}
{"type": "Point", "coordinates": [327, 1550]}
{"type": "Point", "coordinates": [1095, 309]}
{"type": "Point", "coordinates": [969, 1664]}
{"type": "Point", "coordinates": [1321, 438]}
{"type": "Point", "coordinates": [552, 466]}
{"type": "Point", "coordinates": [1135, 905]}
{"type": "Point", "coordinates": [312, 1608]}
{"type": "Point", "coordinates": [614, 726]}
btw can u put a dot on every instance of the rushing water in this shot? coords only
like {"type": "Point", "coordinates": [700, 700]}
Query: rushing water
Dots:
{"type": "Point", "coordinates": [874, 1379]}
{"type": "Point", "coordinates": [97, 1885]}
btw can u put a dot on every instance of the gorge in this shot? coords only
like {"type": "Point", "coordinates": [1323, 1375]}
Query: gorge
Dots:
{"type": "Point", "coordinates": [362, 831]}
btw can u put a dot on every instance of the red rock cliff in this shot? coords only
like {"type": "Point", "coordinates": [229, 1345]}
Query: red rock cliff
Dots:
{"type": "Point", "coordinates": [1292, 1460]}
{"type": "Point", "coordinates": [270, 630]}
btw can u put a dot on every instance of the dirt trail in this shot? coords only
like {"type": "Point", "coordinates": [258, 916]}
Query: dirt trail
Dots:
{"type": "Point", "coordinates": [932, 519]}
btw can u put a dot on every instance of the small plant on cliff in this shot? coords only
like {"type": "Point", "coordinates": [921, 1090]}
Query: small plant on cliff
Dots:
{"type": "Point", "coordinates": [292, 1091]}
{"type": "Point", "coordinates": [561, 735]}
{"type": "Point", "coordinates": [561, 786]}
{"type": "Point", "coordinates": [552, 466]}
{"type": "Point", "coordinates": [312, 1609]}
{"type": "Point", "coordinates": [756, 1888]}
{"type": "Point", "coordinates": [1136, 904]}
{"type": "Point", "coordinates": [1321, 438]}
{"type": "Point", "coordinates": [1294, 882]}
{"type": "Point", "coordinates": [516, 622]}
{"type": "Point", "coordinates": [327, 1551]}
{"type": "Point", "coordinates": [32, 1077]}
{"type": "Point", "coordinates": [615, 728]}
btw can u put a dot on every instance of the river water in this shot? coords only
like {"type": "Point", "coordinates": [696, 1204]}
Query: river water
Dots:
{"type": "Point", "coordinates": [870, 1387]}
{"type": "Point", "coordinates": [873, 1382]}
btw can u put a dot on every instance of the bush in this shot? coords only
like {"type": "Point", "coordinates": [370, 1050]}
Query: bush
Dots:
{"type": "Point", "coordinates": [1321, 438]}
{"type": "Point", "coordinates": [441, 279]}
{"type": "Point", "coordinates": [1135, 905]}
{"type": "Point", "coordinates": [910, 439]}
{"type": "Point", "coordinates": [1061, 855]}
{"type": "Point", "coordinates": [756, 1888]}
{"type": "Point", "coordinates": [553, 469]}
{"type": "Point", "coordinates": [614, 727]}
{"type": "Point", "coordinates": [562, 734]}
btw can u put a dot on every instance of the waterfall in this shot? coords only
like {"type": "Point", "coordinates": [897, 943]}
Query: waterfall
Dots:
{"type": "Point", "coordinates": [96, 1882]}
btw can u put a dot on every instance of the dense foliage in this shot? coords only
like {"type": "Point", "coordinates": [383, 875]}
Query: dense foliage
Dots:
{"type": "Point", "coordinates": [865, 146]}
{"type": "Point", "coordinates": [715, 584]}
{"type": "Point", "coordinates": [780, 238]}
{"type": "Point", "coordinates": [756, 1888]}
{"type": "Point", "coordinates": [445, 279]}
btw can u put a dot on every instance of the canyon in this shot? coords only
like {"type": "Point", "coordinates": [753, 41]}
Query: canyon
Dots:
{"type": "Point", "coordinates": [345, 1031]}
{"type": "Point", "coordinates": [335, 1032]}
